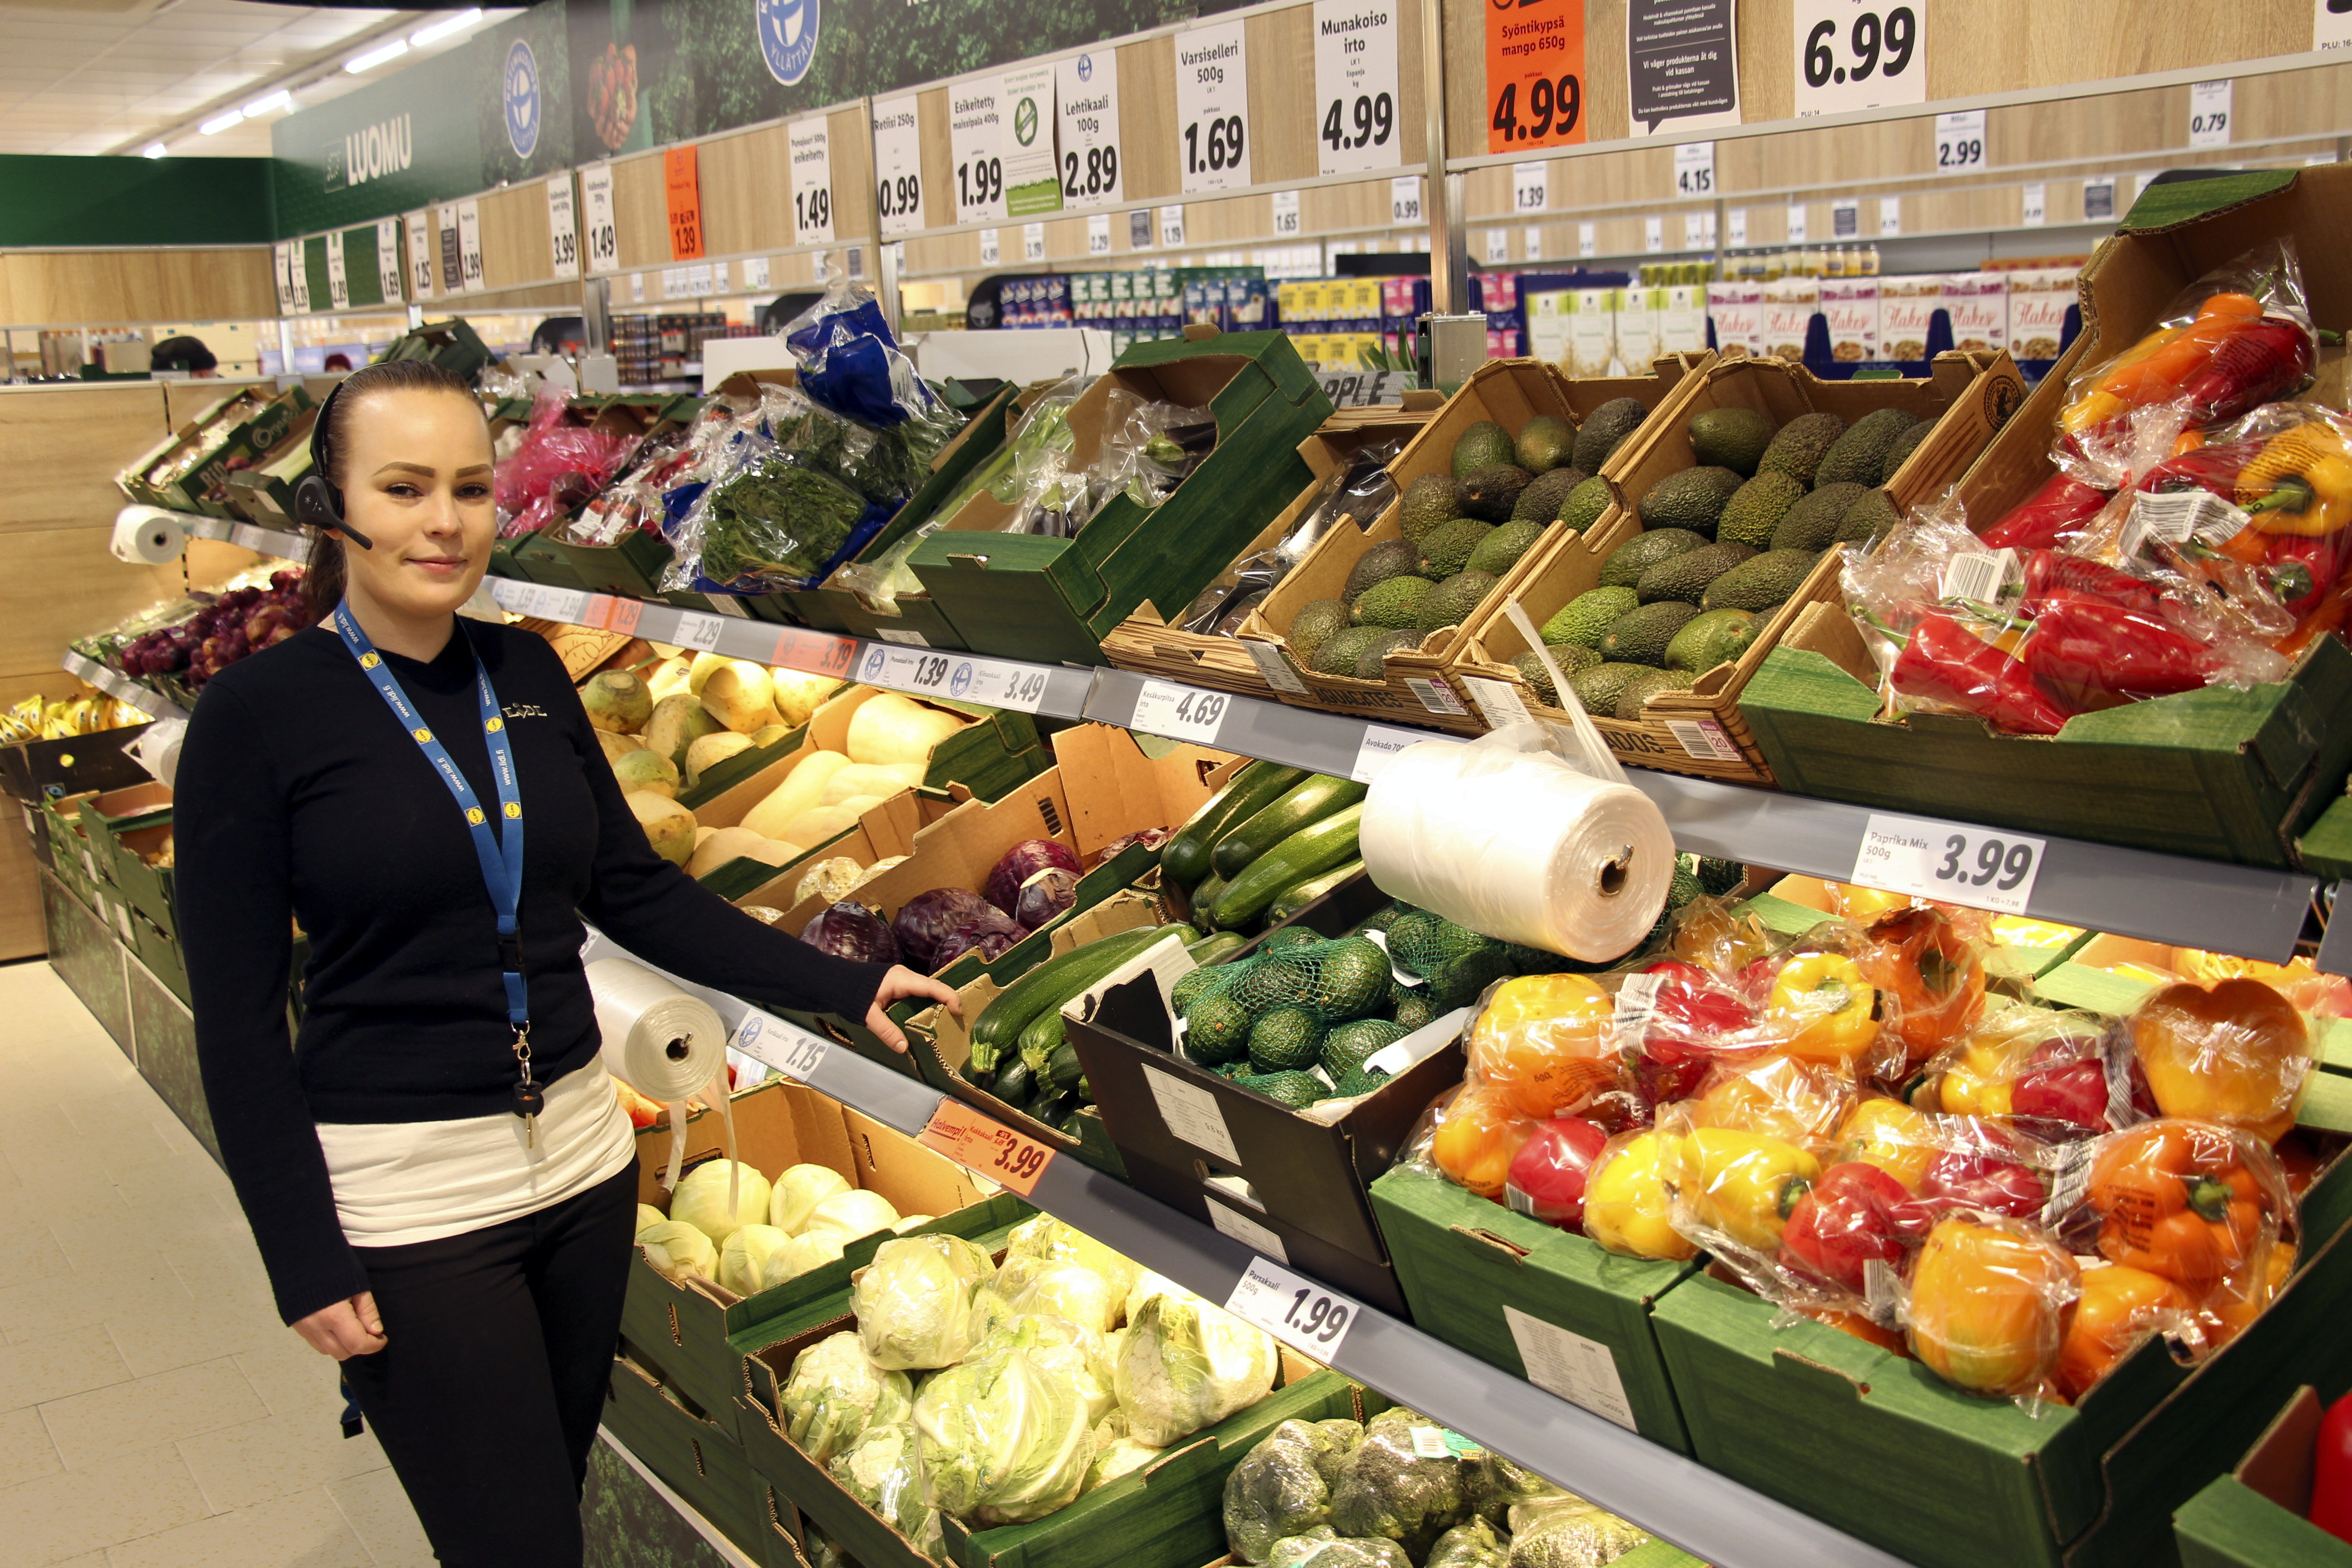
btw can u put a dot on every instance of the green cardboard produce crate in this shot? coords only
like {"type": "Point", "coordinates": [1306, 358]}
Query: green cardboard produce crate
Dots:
{"type": "Point", "coordinates": [2326, 849]}
{"type": "Point", "coordinates": [1053, 600]}
{"type": "Point", "coordinates": [242, 426]}
{"type": "Point", "coordinates": [633, 566]}
{"type": "Point", "coordinates": [2256, 1516]}
{"type": "Point", "coordinates": [691, 1455]}
{"type": "Point", "coordinates": [263, 494]}
{"type": "Point", "coordinates": [1505, 1288]}
{"type": "Point", "coordinates": [1878, 1445]}
{"type": "Point", "coordinates": [107, 816]}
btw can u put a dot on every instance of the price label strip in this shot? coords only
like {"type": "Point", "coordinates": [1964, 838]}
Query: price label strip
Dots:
{"type": "Point", "coordinates": [795, 1053]}
{"type": "Point", "coordinates": [815, 652]}
{"type": "Point", "coordinates": [985, 1147]}
{"type": "Point", "coordinates": [697, 630]}
{"type": "Point", "coordinates": [1302, 1313]}
{"type": "Point", "coordinates": [1981, 868]}
{"type": "Point", "coordinates": [992, 683]}
{"type": "Point", "coordinates": [1180, 712]}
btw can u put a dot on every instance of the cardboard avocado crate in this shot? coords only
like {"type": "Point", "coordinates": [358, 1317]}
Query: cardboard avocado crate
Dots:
{"type": "Point", "coordinates": [1509, 393]}
{"type": "Point", "coordinates": [1877, 1444]}
{"type": "Point", "coordinates": [695, 1333]}
{"type": "Point", "coordinates": [1168, 1514]}
{"type": "Point", "coordinates": [32, 772]}
{"type": "Point", "coordinates": [227, 436]}
{"type": "Point", "coordinates": [2220, 773]}
{"type": "Point", "coordinates": [1700, 731]}
{"type": "Point", "coordinates": [1053, 600]}
{"type": "Point", "coordinates": [911, 618]}
{"type": "Point", "coordinates": [676, 1440]}
{"type": "Point", "coordinates": [2258, 1516]}
{"type": "Point", "coordinates": [1146, 643]}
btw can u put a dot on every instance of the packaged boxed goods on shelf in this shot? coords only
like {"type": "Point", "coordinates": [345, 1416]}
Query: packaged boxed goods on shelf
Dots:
{"type": "Point", "coordinates": [1054, 599]}
{"type": "Point", "coordinates": [1771, 430]}
{"type": "Point", "coordinates": [2260, 1514]}
{"type": "Point", "coordinates": [688, 1313]}
{"type": "Point", "coordinates": [1322, 625]}
{"type": "Point", "coordinates": [1202, 643]}
{"type": "Point", "coordinates": [2184, 697]}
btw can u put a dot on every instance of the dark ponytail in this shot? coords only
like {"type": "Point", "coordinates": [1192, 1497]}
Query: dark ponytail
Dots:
{"type": "Point", "coordinates": [325, 575]}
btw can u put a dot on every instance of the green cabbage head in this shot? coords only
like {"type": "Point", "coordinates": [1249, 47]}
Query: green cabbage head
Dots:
{"type": "Point", "coordinates": [1185, 1365]}
{"type": "Point", "coordinates": [678, 1250]}
{"type": "Point", "coordinates": [913, 1302]}
{"type": "Point", "coordinates": [1000, 1440]}
{"type": "Point", "coordinates": [879, 1470]}
{"type": "Point", "coordinates": [1049, 1240]}
{"type": "Point", "coordinates": [835, 1393]}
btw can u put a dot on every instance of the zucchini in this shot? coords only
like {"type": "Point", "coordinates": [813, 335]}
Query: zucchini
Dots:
{"type": "Point", "coordinates": [1309, 803]}
{"type": "Point", "coordinates": [1045, 1034]}
{"type": "Point", "coordinates": [1328, 844]}
{"type": "Point", "coordinates": [1298, 895]}
{"type": "Point", "coordinates": [1012, 1082]}
{"type": "Point", "coordinates": [1184, 859]}
{"type": "Point", "coordinates": [999, 1026]}
{"type": "Point", "coordinates": [1210, 949]}
{"type": "Point", "coordinates": [1056, 1109]}
{"type": "Point", "coordinates": [1062, 1075]}
{"type": "Point", "coordinates": [1205, 900]}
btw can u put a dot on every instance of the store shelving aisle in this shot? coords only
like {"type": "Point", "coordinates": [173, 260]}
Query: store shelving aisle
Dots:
{"type": "Point", "coordinates": [154, 1411]}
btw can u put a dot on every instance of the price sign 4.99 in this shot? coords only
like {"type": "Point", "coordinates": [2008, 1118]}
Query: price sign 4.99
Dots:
{"type": "Point", "coordinates": [1358, 115]}
{"type": "Point", "coordinates": [1535, 75]}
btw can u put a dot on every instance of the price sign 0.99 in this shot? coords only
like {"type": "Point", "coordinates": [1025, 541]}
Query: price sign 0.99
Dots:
{"type": "Point", "coordinates": [1858, 54]}
{"type": "Point", "coordinates": [810, 149]}
{"type": "Point", "coordinates": [898, 165]}
{"type": "Point", "coordinates": [1984, 869]}
{"type": "Point", "coordinates": [1303, 1314]}
{"type": "Point", "coordinates": [1212, 107]}
{"type": "Point", "coordinates": [1358, 116]}
{"type": "Point", "coordinates": [1535, 75]}
{"type": "Point", "coordinates": [1180, 712]}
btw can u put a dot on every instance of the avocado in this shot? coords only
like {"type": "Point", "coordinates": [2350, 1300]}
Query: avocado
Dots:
{"type": "Point", "coordinates": [1395, 603]}
{"type": "Point", "coordinates": [1800, 446]}
{"type": "Point", "coordinates": [1638, 554]}
{"type": "Point", "coordinates": [1500, 551]}
{"type": "Point", "coordinates": [1732, 438]}
{"type": "Point", "coordinates": [1903, 446]}
{"type": "Point", "coordinates": [1692, 499]}
{"type": "Point", "coordinates": [1641, 636]}
{"type": "Point", "coordinates": [1544, 443]}
{"type": "Point", "coordinates": [1598, 688]}
{"type": "Point", "coordinates": [1641, 687]}
{"type": "Point", "coordinates": [1492, 491]}
{"type": "Point", "coordinates": [1714, 636]}
{"type": "Point", "coordinates": [1869, 520]}
{"type": "Point", "coordinates": [1316, 621]}
{"type": "Point", "coordinates": [1584, 620]}
{"type": "Point", "coordinates": [1482, 446]}
{"type": "Point", "coordinates": [1570, 657]}
{"type": "Point", "coordinates": [1585, 504]}
{"type": "Point", "coordinates": [1859, 456]}
{"type": "Point", "coordinates": [1719, 877]}
{"type": "Point", "coordinates": [1450, 603]}
{"type": "Point", "coordinates": [1447, 551]}
{"type": "Point", "coordinates": [1541, 500]}
{"type": "Point", "coordinates": [1812, 523]}
{"type": "Point", "coordinates": [1428, 506]}
{"type": "Point", "coordinates": [1604, 429]}
{"type": "Point", "coordinates": [1390, 558]}
{"type": "Point", "coordinates": [1368, 663]}
{"type": "Point", "coordinates": [1760, 581]}
{"type": "Point", "coordinates": [1685, 576]}
{"type": "Point", "coordinates": [1340, 650]}
{"type": "Point", "coordinates": [1756, 507]}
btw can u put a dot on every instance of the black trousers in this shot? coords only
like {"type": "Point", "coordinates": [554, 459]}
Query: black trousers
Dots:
{"type": "Point", "coordinates": [488, 1392]}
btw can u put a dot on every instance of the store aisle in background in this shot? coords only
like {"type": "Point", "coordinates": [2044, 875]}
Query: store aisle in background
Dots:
{"type": "Point", "coordinates": [154, 1411]}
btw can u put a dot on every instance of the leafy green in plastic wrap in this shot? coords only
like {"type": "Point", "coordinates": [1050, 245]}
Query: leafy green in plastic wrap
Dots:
{"type": "Point", "coordinates": [913, 1302]}
{"type": "Point", "coordinates": [1565, 1531]}
{"type": "Point", "coordinates": [1323, 1547]}
{"type": "Point", "coordinates": [1000, 1439]}
{"type": "Point", "coordinates": [1283, 1486]}
{"type": "Point", "coordinates": [879, 1470]}
{"type": "Point", "coordinates": [774, 522]}
{"type": "Point", "coordinates": [1185, 1365]}
{"type": "Point", "coordinates": [1475, 1544]}
{"type": "Point", "coordinates": [834, 1393]}
{"type": "Point", "coordinates": [1495, 1486]}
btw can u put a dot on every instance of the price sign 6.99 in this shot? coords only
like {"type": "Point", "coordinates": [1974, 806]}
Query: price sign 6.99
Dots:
{"type": "Point", "coordinates": [1535, 74]}
{"type": "Point", "coordinates": [1858, 54]}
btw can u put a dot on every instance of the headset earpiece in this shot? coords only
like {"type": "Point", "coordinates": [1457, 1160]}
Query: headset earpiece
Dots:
{"type": "Point", "coordinates": [318, 503]}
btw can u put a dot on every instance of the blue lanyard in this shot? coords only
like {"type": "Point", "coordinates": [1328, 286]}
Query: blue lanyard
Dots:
{"type": "Point", "coordinates": [501, 867]}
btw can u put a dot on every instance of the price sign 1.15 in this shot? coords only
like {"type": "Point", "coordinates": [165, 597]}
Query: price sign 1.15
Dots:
{"type": "Point", "coordinates": [1855, 54]}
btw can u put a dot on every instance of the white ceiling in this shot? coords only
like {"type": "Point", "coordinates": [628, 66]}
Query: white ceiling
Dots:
{"type": "Point", "coordinates": [110, 76]}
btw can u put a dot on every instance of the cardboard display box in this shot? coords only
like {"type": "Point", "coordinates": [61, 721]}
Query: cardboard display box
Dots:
{"type": "Point", "coordinates": [2258, 1516]}
{"type": "Point", "coordinates": [676, 1440]}
{"type": "Point", "coordinates": [694, 1335]}
{"type": "Point", "coordinates": [229, 434]}
{"type": "Point", "coordinates": [632, 566]}
{"type": "Point", "coordinates": [1053, 600]}
{"type": "Point", "coordinates": [2022, 948]}
{"type": "Point", "coordinates": [1700, 731]}
{"type": "Point", "coordinates": [2225, 774]}
{"type": "Point", "coordinates": [263, 494]}
{"type": "Point", "coordinates": [1146, 643]}
{"type": "Point", "coordinates": [1509, 393]}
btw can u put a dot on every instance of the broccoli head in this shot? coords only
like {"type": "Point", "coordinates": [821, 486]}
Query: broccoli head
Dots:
{"type": "Point", "coordinates": [1494, 1484]}
{"type": "Point", "coordinates": [1475, 1544]}
{"type": "Point", "coordinates": [1323, 1547]}
{"type": "Point", "coordinates": [1282, 1487]}
{"type": "Point", "coordinates": [1389, 1490]}
{"type": "Point", "coordinates": [1565, 1531]}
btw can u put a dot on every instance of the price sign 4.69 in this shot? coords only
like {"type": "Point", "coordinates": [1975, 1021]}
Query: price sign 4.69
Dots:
{"type": "Point", "coordinates": [1180, 712]}
{"type": "Point", "coordinates": [1535, 74]}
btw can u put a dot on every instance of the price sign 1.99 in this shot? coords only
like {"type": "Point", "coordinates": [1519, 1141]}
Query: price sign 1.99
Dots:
{"type": "Point", "coordinates": [1856, 54]}
{"type": "Point", "coordinates": [1535, 75]}
{"type": "Point", "coordinates": [1356, 92]}
{"type": "Point", "coordinates": [1302, 1313]}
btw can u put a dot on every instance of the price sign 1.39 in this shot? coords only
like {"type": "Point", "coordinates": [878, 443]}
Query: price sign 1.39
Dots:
{"type": "Point", "coordinates": [1984, 869]}
{"type": "Point", "coordinates": [1300, 1312]}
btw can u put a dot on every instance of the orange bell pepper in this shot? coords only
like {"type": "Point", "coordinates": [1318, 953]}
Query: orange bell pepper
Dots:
{"type": "Point", "coordinates": [2179, 1199]}
{"type": "Point", "coordinates": [1890, 1135]}
{"type": "Point", "coordinates": [1709, 935]}
{"type": "Point", "coordinates": [1477, 1135]}
{"type": "Point", "coordinates": [1796, 1101]}
{"type": "Point", "coordinates": [2235, 1052]}
{"type": "Point", "coordinates": [2242, 1296]}
{"type": "Point", "coordinates": [1931, 975]}
{"type": "Point", "coordinates": [1545, 1044]}
{"type": "Point", "coordinates": [2119, 1307]}
{"type": "Point", "coordinates": [1990, 1303]}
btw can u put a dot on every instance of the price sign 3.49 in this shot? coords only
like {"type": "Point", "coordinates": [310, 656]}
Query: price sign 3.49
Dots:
{"type": "Point", "coordinates": [1535, 74]}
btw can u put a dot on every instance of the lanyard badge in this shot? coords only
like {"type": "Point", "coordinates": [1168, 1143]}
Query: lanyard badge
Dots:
{"type": "Point", "coordinates": [499, 849]}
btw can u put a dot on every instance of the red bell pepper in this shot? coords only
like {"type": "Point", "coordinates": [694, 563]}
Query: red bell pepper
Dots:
{"type": "Point", "coordinates": [2061, 505]}
{"type": "Point", "coordinates": [2331, 1479]}
{"type": "Point", "coordinates": [2254, 363]}
{"type": "Point", "coordinates": [2079, 641]}
{"type": "Point", "coordinates": [2301, 569]}
{"type": "Point", "coordinates": [1548, 1175]}
{"type": "Point", "coordinates": [1854, 1214]}
{"type": "Point", "coordinates": [1984, 1178]}
{"type": "Point", "coordinates": [2213, 468]}
{"type": "Point", "coordinates": [2048, 572]}
{"type": "Point", "coordinates": [1944, 661]}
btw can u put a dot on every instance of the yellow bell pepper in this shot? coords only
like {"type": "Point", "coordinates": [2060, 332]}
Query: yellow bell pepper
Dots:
{"type": "Point", "coordinates": [2300, 483]}
{"type": "Point", "coordinates": [1626, 1208]}
{"type": "Point", "coordinates": [1538, 999]}
{"type": "Point", "coordinates": [1741, 1184]}
{"type": "Point", "coordinates": [1777, 1095]}
{"type": "Point", "coordinates": [1822, 1000]}
{"type": "Point", "coordinates": [1890, 1135]}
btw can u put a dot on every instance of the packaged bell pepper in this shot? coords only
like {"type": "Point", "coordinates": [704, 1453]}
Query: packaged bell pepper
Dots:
{"type": "Point", "coordinates": [2235, 1052]}
{"type": "Point", "coordinates": [1988, 1303]}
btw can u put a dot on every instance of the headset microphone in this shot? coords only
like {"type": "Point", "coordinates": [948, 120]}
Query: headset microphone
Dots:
{"type": "Point", "coordinates": [318, 503]}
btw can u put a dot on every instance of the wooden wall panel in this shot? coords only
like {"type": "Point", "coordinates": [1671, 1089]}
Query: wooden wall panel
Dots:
{"type": "Point", "coordinates": [100, 286]}
{"type": "Point", "coordinates": [1150, 169]}
{"type": "Point", "coordinates": [65, 582]}
{"type": "Point", "coordinates": [61, 447]}
{"type": "Point", "coordinates": [640, 213]}
{"type": "Point", "coordinates": [747, 192]}
{"type": "Point", "coordinates": [850, 144]}
{"type": "Point", "coordinates": [515, 248]}
{"type": "Point", "coordinates": [931, 115]}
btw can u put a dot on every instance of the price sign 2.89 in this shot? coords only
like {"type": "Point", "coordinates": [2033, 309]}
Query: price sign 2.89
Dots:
{"type": "Point", "coordinates": [1535, 75]}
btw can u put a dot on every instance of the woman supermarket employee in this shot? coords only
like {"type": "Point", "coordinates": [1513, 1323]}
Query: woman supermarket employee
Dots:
{"type": "Point", "coordinates": [439, 1176]}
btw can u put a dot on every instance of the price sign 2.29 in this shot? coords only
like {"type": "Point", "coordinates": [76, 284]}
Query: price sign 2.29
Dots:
{"type": "Point", "coordinates": [1535, 74]}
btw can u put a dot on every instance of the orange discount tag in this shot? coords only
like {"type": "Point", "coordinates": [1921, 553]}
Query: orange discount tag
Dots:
{"type": "Point", "coordinates": [815, 652]}
{"type": "Point", "coordinates": [621, 614]}
{"type": "Point", "coordinates": [682, 184]}
{"type": "Point", "coordinates": [988, 1148]}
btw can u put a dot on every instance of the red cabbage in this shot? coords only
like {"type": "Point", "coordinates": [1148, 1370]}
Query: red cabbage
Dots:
{"type": "Point", "coordinates": [928, 918]}
{"type": "Point", "coordinates": [1149, 837]}
{"type": "Point", "coordinates": [991, 944]}
{"type": "Point", "coordinates": [1020, 863]}
{"type": "Point", "coordinates": [1048, 893]}
{"type": "Point", "coordinates": [850, 930]}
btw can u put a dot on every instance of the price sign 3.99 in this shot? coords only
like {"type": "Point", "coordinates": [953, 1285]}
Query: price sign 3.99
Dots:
{"type": "Point", "coordinates": [1982, 868]}
{"type": "Point", "coordinates": [1535, 75]}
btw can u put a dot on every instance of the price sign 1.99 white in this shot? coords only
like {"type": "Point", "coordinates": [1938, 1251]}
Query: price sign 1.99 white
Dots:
{"type": "Point", "coordinates": [1694, 170]}
{"type": "Point", "coordinates": [1213, 151]}
{"type": "Point", "coordinates": [601, 240]}
{"type": "Point", "coordinates": [974, 146]}
{"type": "Point", "coordinates": [1086, 88]}
{"type": "Point", "coordinates": [1305, 1315]}
{"type": "Point", "coordinates": [1982, 868]}
{"type": "Point", "coordinates": [1180, 712]}
{"type": "Point", "coordinates": [1858, 54]}
{"type": "Point", "coordinates": [1359, 122]}
{"type": "Point", "coordinates": [898, 164]}
{"type": "Point", "coordinates": [809, 146]}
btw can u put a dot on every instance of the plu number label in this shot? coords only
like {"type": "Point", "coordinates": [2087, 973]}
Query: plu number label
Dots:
{"type": "Point", "coordinates": [1984, 869]}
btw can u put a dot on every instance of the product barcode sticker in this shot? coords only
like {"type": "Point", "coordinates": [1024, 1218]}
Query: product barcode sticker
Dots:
{"type": "Point", "coordinates": [1499, 701]}
{"type": "Point", "coordinates": [1191, 1113]}
{"type": "Point", "coordinates": [1435, 696]}
{"type": "Point", "coordinates": [1275, 668]}
{"type": "Point", "coordinates": [795, 1053]}
{"type": "Point", "coordinates": [1703, 739]}
{"type": "Point", "coordinates": [1180, 712]}
{"type": "Point", "coordinates": [903, 640]}
{"type": "Point", "coordinates": [1300, 1312]}
{"type": "Point", "coordinates": [696, 629]}
{"type": "Point", "coordinates": [1429, 1443]}
{"type": "Point", "coordinates": [2180, 516]}
{"type": "Point", "coordinates": [1247, 1231]}
{"type": "Point", "coordinates": [1582, 1372]}
{"type": "Point", "coordinates": [1881, 1291]}
{"type": "Point", "coordinates": [2070, 1178]}
{"type": "Point", "coordinates": [1637, 1004]}
{"type": "Point", "coordinates": [1378, 748]}
{"type": "Point", "coordinates": [1978, 575]}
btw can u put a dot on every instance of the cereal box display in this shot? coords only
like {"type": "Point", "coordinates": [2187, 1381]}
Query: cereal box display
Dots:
{"type": "Point", "coordinates": [1850, 306]}
{"type": "Point", "coordinates": [1907, 305]}
{"type": "Point", "coordinates": [2038, 301]}
{"type": "Point", "coordinates": [1977, 303]}
{"type": "Point", "coordinates": [1790, 304]}
{"type": "Point", "coordinates": [1737, 306]}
